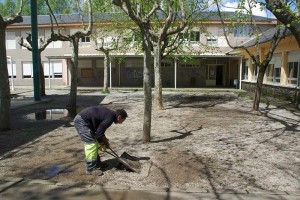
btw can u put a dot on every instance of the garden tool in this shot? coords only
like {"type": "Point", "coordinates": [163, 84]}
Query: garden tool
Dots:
{"type": "Point", "coordinates": [121, 160]}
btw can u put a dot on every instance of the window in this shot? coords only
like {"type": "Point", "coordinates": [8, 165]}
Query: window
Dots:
{"type": "Point", "coordinates": [55, 70]}
{"type": "Point", "coordinates": [85, 39]}
{"type": "Point", "coordinates": [11, 40]}
{"type": "Point", "coordinates": [54, 44]}
{"type": "Point", "coordinates": [242, 31]}
{"type": "Point", "coordinates": [165, 64]}
{"type": "Point", "coordinates": [277, 74]}
{"type": "Point", "coordinates": [11, 69]}
{"type": "Point", "coordinates": [27, 70]}
{"type": "Point", "coordinates": [192, 36]}
{"type": "Point", "coordinates": [292, 73]}
{"type": "Point", "coordinates": [87, 73]}
{"type": "Point", "coordinates": [254, 72]}
{"type": "Point", "coordinates": [270, 73]}
{"type": "Point", "coordinates": [274, 69]}
{"type": "Point", "coordinates": [211, 41]}
{"type": "Point", "coordinates": [190, 64]}
{"type": "Point", "coordinates": [211, 72]}
{"type": "Point", "coordinates": [293, 67]}
{"type": "Point", "coordinates": [245, 69]}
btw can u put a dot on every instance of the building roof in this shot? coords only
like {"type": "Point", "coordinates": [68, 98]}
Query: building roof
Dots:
{"type": "Point", "coordinates": [102, 17]}
{"type": "Point", "coordinates": [264, 37]}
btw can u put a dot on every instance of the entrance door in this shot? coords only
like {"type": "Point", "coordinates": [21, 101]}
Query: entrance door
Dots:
{"type": "Point", "coordinates": [219, 75]}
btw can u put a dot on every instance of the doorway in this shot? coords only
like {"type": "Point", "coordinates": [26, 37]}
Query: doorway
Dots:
{"type": "Point", "coordinates": [219, 75]}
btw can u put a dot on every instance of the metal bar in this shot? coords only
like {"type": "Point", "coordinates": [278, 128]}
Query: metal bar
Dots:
{"type": "Point", "coordinates": [35, 53]}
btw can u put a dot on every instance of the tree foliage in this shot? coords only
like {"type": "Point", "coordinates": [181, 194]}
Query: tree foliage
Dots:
{"type": "Point", "coordinates": [58, 6]}
{"type": "Point", "coordinates": [260, 58]}
{"type": "Point", "coordinates": [288, 13]}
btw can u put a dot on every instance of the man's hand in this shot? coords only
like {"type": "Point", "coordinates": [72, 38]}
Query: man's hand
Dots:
{"type": "Point", "coordinates": [106, 142]}
{"type": "Point", "coordinates": [102, 147]}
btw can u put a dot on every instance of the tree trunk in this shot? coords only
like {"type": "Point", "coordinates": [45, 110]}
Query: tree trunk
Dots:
{"type": "Point", "coordinates": [258, 88]}
{"type": "Point", "coordinates": [42, 77]}
{"type": "Point", "coordinates": [74, 76]}
{"type": "Point", "coordinates": [147, 91]}
{"type": "Point", "coordinates": [4, 82]}
{"type": "Point", "coordinates": [158, 101]}
{"type": "Point", "coordinates": [105, 75]}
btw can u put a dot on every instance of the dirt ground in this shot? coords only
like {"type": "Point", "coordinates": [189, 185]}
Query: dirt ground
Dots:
{"type": "Point", "coordinates": [199, 141]}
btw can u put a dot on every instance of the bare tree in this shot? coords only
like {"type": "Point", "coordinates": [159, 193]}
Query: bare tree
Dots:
{"type": "Point", "coordinates": [74, 40]}
{"type": "Point", "coordinates": [42, 46]}
{"type": "Point", "coordinates": [142, 21]}
{"type": "Point", "coordinates": [4, 81]}
{"type": "Point", "coordinates": [106, 49]}
{"type": "Point", "coordinates": [261, 59]}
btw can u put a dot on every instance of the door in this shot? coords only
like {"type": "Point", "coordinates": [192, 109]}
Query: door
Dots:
{"type": "Point", "coordinates": [219, 75]}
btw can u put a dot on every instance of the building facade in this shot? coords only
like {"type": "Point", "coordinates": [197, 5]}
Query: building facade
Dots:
{"type": "Point", "coordinates": [282, 78]}
{"type": "Point", "coordinates": [208, 69]}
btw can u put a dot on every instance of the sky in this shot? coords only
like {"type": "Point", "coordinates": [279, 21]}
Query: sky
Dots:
{"type": "Point", "coordinates": [231, 5]}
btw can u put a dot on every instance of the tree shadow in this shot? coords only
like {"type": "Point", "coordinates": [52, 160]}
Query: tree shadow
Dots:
{"type": "Point", "coordinates": [30, 122]}
{"type": "Point", "coordinates": [196, 101]}
{"type": "Point", "coordinates": [182, 135]}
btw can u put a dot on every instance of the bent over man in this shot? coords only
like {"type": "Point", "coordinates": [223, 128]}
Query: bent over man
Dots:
{"type": "Point", "coordinates": [91, 124]}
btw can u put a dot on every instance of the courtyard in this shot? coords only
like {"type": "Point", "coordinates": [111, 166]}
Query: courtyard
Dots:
{"type": "Point", "coordinates": [205, 141]}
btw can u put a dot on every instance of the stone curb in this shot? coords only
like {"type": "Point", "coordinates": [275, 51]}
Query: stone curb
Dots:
{"type": "Point", "coordinates": [6, 183]}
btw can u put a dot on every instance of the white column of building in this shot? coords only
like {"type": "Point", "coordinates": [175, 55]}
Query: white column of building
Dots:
{"type": "Point", "coordinates": [175, 74]}
{"type": "Point", "coordinates": [49, 77]}
{"type": "Point", "coordinates": [241, 68]}
{"type": "Point", "coordinates": [110, 73]}
{"type": "Point", "coordinates": [12, 73]}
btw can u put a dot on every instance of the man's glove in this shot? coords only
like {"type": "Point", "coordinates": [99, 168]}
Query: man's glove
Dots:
{"type": "Point", "coordinates": [102, 147]}
{"type": "Point", "coordinates": [106, 142]}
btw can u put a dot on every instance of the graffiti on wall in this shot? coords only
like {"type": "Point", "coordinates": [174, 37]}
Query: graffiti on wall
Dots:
{"type": "Point", "coordinates": [134, 74]}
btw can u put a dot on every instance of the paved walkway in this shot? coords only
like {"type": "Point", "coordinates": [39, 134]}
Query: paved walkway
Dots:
{"type": "Point", "coordinates": [20, 188]}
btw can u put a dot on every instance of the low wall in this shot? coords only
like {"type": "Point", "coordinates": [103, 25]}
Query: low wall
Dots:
{"type": "Point", "coordinates": [286, 93]}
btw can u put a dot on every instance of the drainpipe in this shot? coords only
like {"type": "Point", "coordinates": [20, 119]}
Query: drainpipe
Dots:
{"type": "Point", "coordinates": [12, 73]}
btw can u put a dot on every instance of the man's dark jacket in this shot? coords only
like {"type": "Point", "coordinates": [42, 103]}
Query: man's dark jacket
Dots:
{"type": "Point", "coordinates": [98, 118]}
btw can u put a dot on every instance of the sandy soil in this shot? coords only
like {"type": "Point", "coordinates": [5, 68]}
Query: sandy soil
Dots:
{"type": "Point", "coordinates": [199, 141]}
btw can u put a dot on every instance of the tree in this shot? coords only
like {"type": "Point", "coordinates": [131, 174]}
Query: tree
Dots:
{"type": "Point", "coordinates": [74, 40]}
{"type": "Point", "coordinates": [42, 46]}
{"type": "Point", "coordinates": [260, 58]}
{"type": "Point", "coordinates": [106, 47]}
{"type": "Point", "coordinates": [4, 81]}
{"type": "Point", "coordinates": [170, 18]}
{"type": "Point", "coordinates": [284, 12]}
{"type": "Point", "coordinates": [142, 21]}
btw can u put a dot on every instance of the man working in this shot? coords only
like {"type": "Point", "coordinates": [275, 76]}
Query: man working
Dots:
{"type": "Point", "coordinates": [91, 124]}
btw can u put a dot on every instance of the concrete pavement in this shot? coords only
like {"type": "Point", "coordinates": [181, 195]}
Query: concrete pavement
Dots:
{"type": "Point", "coordinates": [19, 188]}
